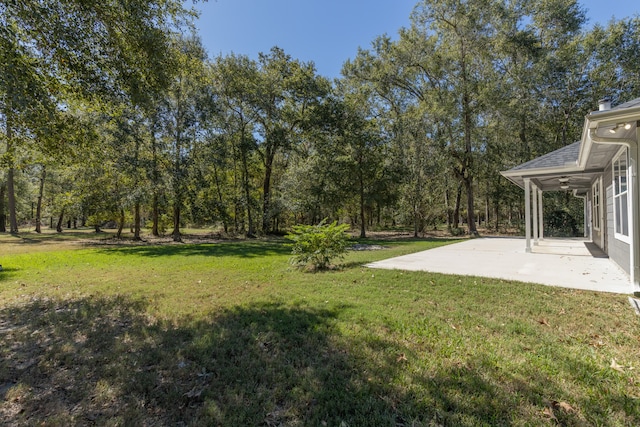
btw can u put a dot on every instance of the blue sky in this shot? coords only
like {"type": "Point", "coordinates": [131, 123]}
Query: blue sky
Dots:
{"type": "Point", "coordinates": [327, 32]}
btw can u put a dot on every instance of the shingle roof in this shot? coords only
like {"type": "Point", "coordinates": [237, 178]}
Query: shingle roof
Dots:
{"type": "Point", "coordinates": [555, 159]}
{"type": "Point", "coordinates": [628, 104]}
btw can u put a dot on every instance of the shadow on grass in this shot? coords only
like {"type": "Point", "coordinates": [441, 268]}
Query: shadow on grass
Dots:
{"type": "Point", "coordinates": [7, 273]}
{"type": "Point", "coordinates": [103, 361]}
{"type": "Point", "coordinates": [242, 249]}
{"type": "Point", "coordinates": [100, 361]}
{"type": "Point", "coordinates": [32, 238]}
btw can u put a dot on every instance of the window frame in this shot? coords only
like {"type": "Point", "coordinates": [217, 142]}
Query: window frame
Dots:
{"type": "Point", "coordinates": [620, 186]}
{"type": "Point", "coordinates": [596, 203]}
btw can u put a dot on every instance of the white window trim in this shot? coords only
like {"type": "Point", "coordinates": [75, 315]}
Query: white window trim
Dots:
{"type": "Point", "coordinates": [619, 236]}
{"type": "Point", "coordinates": [596, 208]}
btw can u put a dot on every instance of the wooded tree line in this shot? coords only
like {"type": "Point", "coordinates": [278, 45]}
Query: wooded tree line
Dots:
{"type": "Point", "coordinates": [112, 111]}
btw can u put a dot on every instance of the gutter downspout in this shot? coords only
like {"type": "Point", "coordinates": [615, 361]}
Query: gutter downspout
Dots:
{"type": "Point", "coordinates": [632, 145]}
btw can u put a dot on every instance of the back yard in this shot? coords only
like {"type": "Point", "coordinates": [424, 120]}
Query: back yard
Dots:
{"type": "Point", "coordinates": [227, 333]}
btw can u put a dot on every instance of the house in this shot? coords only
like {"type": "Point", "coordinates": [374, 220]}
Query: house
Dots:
{"type": "Point", "coordinates": [601, 168]}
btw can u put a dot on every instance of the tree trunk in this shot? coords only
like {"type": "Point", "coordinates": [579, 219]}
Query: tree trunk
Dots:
{"type": "Point", "coordinates": [136, 221]}
{"type": "Point", "coordinates": [486, 211]}
{"type": "Point", "coordinates": [448, 208]}
{"type": "Point", "coordinates": [363, 233]}
{"type": "Point", "coordinates": [471, 223]}
{"type": "Point", "coordinates": [523, 137]}
{"type": "Point", "coordinates": [120, 224]}
{"type": "Point", "coordinates": [155, 174]}
{"type": "Point", "coordinates": [266, 201]}
{"type": "Point", "coordinates": [177, 187]}
{"type": "Point", "coordinates": [468, 127]}
{"type": "Point", "coordinates": [11, 195]}
{"type": "Point", "coordinates": [60, 219]}
{"type": "Point", "coordinates": [456, 209]}
{"type": "Point", "coordinates": [177, 237]}
{"type": "Point", "coordinates": [3, 215]}
{"type": "Point", "coordinates": [247, 194]}
{"type": "Point", "coordinates": [223, 212]}
{"type": "Point", "coordinates": [155, 216]}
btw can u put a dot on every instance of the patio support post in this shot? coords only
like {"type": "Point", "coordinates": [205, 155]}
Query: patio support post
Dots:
{"type": "Point", "coordinates": [634, 214]}
{"type": "Point", "coordinates": [540, 215]}
{"type": "Point", "coordinates": [587, 226]}
{"type": "Point", "coordinates": [527, 213]}
{"type": "Point", "coordinates": [535, 214]}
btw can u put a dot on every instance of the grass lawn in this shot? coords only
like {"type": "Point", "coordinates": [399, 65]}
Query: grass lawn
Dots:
{"type": "Point", "coordinates": [229, 334]}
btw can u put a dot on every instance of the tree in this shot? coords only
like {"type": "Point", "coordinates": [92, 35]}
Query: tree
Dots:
{"type": "Point", "coordinates": [183, 119]}
{"type": "Point", "coordinates": [282, 95]}
{"type": "Point", "coordinates": [51, 52]}
{"type": "Point", "coordinates": [234, 79]}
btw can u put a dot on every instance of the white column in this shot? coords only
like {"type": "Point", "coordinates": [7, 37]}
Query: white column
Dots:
{"type": "Point", "coordinates": [602, 209]}
{"type": "Point", "coordinates": [633, 195]}
{"type": "Point", "coordinates": [535, 214]}
{"type": "Point", "coordinates": [540, 215]}
{"type": "Point", "coordinates": [527, 213]}
{"type": "Point", "coordinates": [587, 225]}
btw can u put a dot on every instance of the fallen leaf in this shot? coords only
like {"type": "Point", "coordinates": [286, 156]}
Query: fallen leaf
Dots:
{"type": "Point", "coordinates": [564, 406]}
{"type": "Point", "coordinates": [549, 413]}
{"type": "Point", "coordinates": [543, 322]}
{"type": "Point", "coordinates": [615, 365]}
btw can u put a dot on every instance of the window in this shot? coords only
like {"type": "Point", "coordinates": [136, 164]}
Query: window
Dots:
{"type": "Point", "coordinates": [620, 196]}
{"type": "Point", "coordinates": [595, 197]}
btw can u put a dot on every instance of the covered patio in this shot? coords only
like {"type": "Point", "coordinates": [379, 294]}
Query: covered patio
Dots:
{"type": "Point", "coordinates": [559, 171]}
{"type": "Point", "coordinates": [569, 263]}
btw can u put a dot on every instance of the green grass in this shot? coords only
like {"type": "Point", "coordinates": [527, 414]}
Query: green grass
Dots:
{"type": "Point", "coordinates": [230, 334]}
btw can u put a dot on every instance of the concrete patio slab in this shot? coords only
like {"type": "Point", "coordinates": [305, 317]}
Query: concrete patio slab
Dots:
{"type": "Point", "coordinates": [569, 263]}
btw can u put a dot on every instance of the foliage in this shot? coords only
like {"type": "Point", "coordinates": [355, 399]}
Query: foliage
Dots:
{"type": "Point", "coordinates": [317, 245]}
{"type": "Point", "coordinates": [560, 223]}
{"type": "Point", "coordinates": [131, 120]}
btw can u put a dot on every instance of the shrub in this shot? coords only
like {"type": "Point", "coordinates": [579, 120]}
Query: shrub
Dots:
{"type": "Point", "coordinates": [317, 245]}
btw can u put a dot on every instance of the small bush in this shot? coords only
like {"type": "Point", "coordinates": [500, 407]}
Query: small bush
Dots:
{"type": "Point", "coordinates": [457, 231]}
{"type": "Point", "coordinates": [316, 245]}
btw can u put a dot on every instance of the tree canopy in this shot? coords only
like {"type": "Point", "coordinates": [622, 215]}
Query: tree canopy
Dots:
{"type": "Point", "coordinates": [112, 111]}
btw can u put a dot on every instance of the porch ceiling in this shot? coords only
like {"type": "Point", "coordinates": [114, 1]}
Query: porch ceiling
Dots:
{"type": "Point", "coordinates": [576, 181]}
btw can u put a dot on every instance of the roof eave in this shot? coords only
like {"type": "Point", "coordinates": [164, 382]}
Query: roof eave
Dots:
{"type": "Point", "coordinates": [594, 119]}
{"type": "Point", "coordinates": [569, 168]}
{"type": "Point", "coordinates": [625, 113]}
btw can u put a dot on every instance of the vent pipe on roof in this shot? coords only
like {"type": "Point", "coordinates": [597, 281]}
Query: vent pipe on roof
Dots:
{"type": "Point", "coordinates": [604, 104]}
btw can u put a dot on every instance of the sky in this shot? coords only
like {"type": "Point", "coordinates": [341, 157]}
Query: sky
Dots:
{"type": "Point", "coordinates": [327, 32]}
